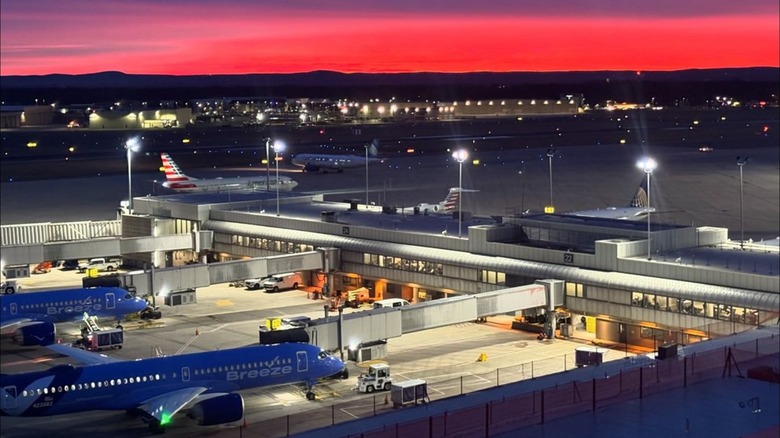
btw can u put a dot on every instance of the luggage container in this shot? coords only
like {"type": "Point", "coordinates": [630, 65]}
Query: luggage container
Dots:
{"type": "Point", "coordinates": [409, 392]}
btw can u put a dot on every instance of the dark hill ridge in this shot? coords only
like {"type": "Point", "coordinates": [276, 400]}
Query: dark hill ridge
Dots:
{"type": "Point", "coordinates": [678, 88]}
{"type": "Point", "coordinates": [336, 79]}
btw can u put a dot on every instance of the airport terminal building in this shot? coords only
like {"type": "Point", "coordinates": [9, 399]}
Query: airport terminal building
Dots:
{"type": "Point", "coordinates": [695, 284]}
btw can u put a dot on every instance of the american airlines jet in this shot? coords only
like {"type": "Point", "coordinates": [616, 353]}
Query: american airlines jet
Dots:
{"type": "Point", "coordinates": [178, 181]}
{"type": "Point", "coordinates": [447, 206]}
{"type": "Point", "coordinates": [32, 315]}
{"type": "Point", "coordinates": [159, 387]}
{"type": "Point", "coordinates": [336, 162]}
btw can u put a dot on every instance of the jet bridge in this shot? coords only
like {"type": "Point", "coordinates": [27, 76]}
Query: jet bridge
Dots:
{"type": "Point", "coordinates": [351, 330]}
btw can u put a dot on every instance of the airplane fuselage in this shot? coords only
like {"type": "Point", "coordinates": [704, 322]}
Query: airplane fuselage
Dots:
{"type": "Point", "coordinates": [227, 184]}
{"type": "Point", "coordinates": [70, 304]}
{"type": "Point", "coordinates": [330, 161]}
{"type": "Point", "coordinates": [129, 384]}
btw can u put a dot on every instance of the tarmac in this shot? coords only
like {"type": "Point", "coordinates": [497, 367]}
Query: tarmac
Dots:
{"type": "Point", "coordinates": [228, 317]}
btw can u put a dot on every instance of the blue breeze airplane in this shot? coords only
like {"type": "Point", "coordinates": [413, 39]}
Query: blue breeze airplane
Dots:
{"type": "Point", "coordinates": [34, 314]}
{"type": "Point", "coordinates": [159, 387]}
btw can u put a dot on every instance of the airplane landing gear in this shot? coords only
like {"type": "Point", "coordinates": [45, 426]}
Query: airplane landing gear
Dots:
{"type": "Point", "coordinates": [309, 393]}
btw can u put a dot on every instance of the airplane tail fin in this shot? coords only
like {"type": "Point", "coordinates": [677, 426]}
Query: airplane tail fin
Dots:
{"type": "Point", "coordinates": [373, 148]}
{"type": "Point", "coordinates": [173, 173]}
{"type": "Point", "coordinates": [450, 202]}
{"type": "Point", "coordinates": [640, 198]}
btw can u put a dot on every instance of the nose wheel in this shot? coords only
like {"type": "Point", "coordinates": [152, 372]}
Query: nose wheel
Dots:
{"type": "Point", "coordinates": [309, 393]}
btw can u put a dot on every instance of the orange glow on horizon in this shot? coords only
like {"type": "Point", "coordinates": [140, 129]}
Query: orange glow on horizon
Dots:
{"type": "Point", "coordinates": [225, 39]}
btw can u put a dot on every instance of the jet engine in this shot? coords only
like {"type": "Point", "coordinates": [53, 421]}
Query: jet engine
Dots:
{"type": "Point", "coordinates": [37, 334]}
{"type": "Point", "coordinates": [311, 168]}
{"type": "Point", "coordinates": [219, 410]}
{"type": "Point", "coordinates": [428, 208]}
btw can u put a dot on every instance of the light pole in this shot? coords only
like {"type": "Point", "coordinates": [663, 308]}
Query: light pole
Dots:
{"type": "Point", "coordinates": [741, 162]}
{"type": "Point", "coordinates": [550, 155]}
{"type": "Point", "coordinates": [460, 156]}
{"type": "Point", "coordinates": [367, 147]}
{"type": "Point", "coordinates": [647, 165]}
{"type": "Point", "coordinates": [522, 189]}
{"type": "Point", "coordinates": [267, 165]}
{"type": "Point", "coordinates": [278, 147]}
{"type": "Point", "coordinates": [131, 145]}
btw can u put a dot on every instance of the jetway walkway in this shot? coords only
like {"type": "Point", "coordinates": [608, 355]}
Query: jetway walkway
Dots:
{"type": "Point", "coordinates": [351, 330]}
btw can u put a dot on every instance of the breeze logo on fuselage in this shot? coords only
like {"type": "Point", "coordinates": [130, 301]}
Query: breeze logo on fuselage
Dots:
{"type": "Point", "coordinates": [85, 305]}
{"type": "Point", "coordinates": [268, 368]}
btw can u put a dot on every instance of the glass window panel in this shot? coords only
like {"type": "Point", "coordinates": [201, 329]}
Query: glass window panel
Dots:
{"type": "Point", "coordinates": [661, 302]}
{"type": "Point", "coordinates": [698, 308]}
{"type": "Point", "coordinates": [723, 312]}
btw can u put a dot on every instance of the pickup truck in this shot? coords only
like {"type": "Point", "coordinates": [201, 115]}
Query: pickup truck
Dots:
{"type": "Point", "coordinates": [101, 264]}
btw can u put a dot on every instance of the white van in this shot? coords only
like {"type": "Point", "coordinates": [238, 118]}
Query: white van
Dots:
{"type": "Point", "coordinates": [277, 282]}
{"type": "Point", "coordinates": [390, 302]}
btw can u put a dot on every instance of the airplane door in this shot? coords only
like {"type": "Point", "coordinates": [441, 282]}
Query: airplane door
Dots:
{"type": "Point", "coordinates": [110, 301]}
{"type": "Point", "coordinates": [9, 397]}
{"type": "Point", "coordinates": [303, 363]}
{"type": "Point", "coordinates": [13, 309]}
{"type": "Point", "coordinates": [185, 374]}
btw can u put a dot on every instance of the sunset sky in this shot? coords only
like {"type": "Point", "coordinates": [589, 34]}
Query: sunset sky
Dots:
{"type": "Point", "coordinates": [183, 37]}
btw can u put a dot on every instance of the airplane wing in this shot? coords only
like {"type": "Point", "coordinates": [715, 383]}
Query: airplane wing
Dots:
{"type": "Point", "coordinates": [18, 322]}
{"type": "Point", "coordinates": [83, 356]}
{"type": "Point", "coordinates": [163, 407]}
{"type": "Point", "coordinates": [24, 320]}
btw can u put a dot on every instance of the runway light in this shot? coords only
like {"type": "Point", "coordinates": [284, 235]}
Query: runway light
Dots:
{"type": "Point", "coordinates": [185, 140]}
{"type": "Point", "coordinates": [71, 149]}
{"type": "Point", "coordinates": [410, 150]}
{"type": "Point", "coordinates": [32, 144]}
{"type": "Point", "coordinates": [622, 141]}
